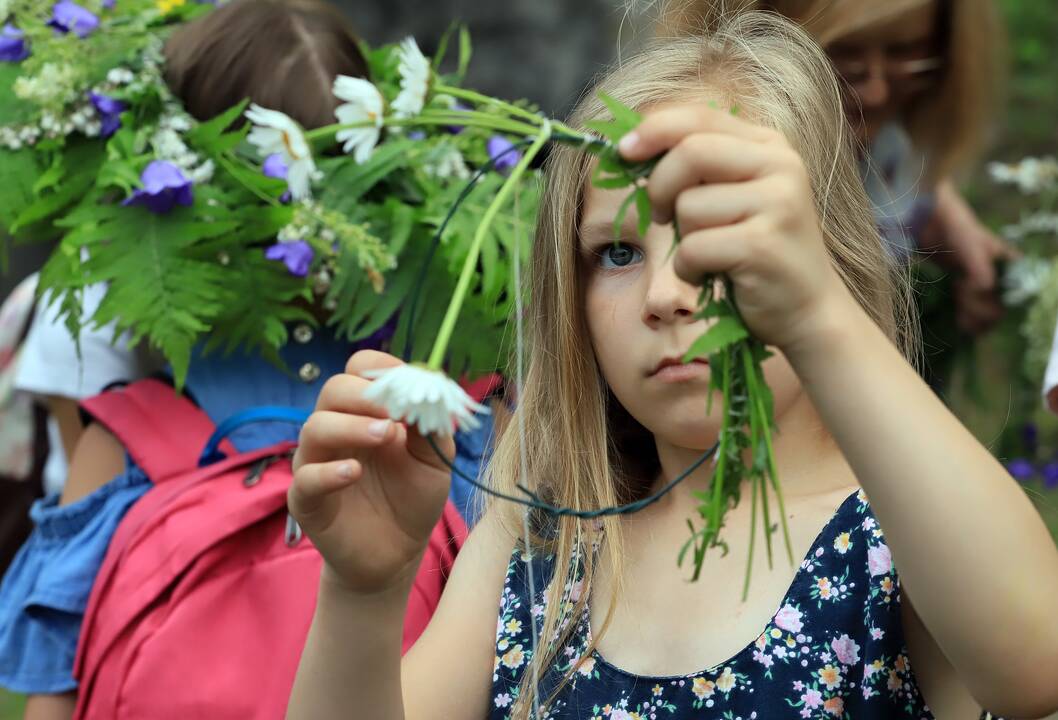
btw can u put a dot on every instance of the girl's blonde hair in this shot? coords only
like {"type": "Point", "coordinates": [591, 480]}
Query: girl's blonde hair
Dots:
{"type": "Point", "coordinates": [583, 450]}
{"type": "Point", "coordinates": [949, 124]}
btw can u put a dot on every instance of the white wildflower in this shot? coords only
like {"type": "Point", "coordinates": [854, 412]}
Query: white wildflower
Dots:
{"type": "Point", "coordinates": [1040, 223]}
{"type": "Point", "coordinates": [1024, 279]}
{"type": "Point", "coordinates": [363, 103]}
{"type": "Point", "coordinates": [276, 133]}
{"type": "Point", "coordinates": [422, 397]}
{"type": "Point", "coordinates": [414, 71]}
{"type": "Point", "coordinates": [120, 76]}
{"type": "Point", "coordinates": [1031, 175]}
{"type": "Point", "coordinates": [449, 164]}
{"type": "Point", "coordinates": [201, 174]}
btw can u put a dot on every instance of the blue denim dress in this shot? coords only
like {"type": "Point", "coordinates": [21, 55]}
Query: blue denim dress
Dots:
{"type": "Point", "coordinates": [45, 591]}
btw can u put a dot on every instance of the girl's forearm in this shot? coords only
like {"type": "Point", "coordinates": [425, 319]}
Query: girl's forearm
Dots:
{"type": "Point", "coordinates": [971, 551]}
{"type": "Point", "coordinates": [351, 662]}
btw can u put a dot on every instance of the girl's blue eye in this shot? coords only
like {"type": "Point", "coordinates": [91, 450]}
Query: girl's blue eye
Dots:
{"type": "Point", "coordinates": [618, 255]}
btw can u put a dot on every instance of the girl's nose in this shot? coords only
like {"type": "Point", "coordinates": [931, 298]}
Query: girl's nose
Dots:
{"type": "Point", "coordinates": [668, 299]}
{"type": "Point", "coordinates": [874, 89]}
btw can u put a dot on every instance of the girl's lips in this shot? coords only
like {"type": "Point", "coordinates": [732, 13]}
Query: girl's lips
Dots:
{"type": "Point", "coordinates": [674, 372]}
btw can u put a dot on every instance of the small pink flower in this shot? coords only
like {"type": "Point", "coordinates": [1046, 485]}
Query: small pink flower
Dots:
{"type": "Point", "coordinates": [798, 686]}
{"type": "Point", "coordinates": [879, 560]}
{"type": "Point", "coordinates": [846, 649]}
{"type": "Point", "coordinates": [812, 699]}
{"type": "Point", "coordinates": [789, 619]}
{"type": "Point", "coordinates": [877, 634]}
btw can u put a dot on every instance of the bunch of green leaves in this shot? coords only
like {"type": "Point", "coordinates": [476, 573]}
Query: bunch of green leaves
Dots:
{"type": "Point", "coordinates": [40, 183]}
{"type": "Point", "coordinates": [173, 279]}
{"type": "Point", "coordinates": [747, 418]}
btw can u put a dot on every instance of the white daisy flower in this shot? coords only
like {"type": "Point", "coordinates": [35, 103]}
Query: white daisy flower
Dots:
{"type": "Point", "coordinates": [363, 103]}
{"type": "Point", "coordinates": [424, 398]}
{"type": "Point", "coordinates": [414, 71]}
{"type": "Point", "coordinates": [276, 133]}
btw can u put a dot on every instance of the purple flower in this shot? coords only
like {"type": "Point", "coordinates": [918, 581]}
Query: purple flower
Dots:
{"type": "Point", "coordinates": [1050, 475]}
{"type": "Point", "coordinates": [108, 4]}
{"type": "Point", "coordinates": [109, 110]}
{"type": "Point", "coordinates": [296, 255]}
{"type": "Point", "coordinates": [163, 187]}
{"type": "Point", "coordinates": [274, 167]}
{"type": "Point", "coordinates": [1021, 469]}
{"type": "Point", "coordinates": [12, 44]}
{"type": "Point", "coordinates": [502, 153]}
{"type": "Point", "coordinates": [416, 135]}
{"type": "Point", "coordinates": [456, 129]}
{"type": "Point", "coordinates": [68, 16]}
{"type": "Point", "coordinates": [1029, 437]}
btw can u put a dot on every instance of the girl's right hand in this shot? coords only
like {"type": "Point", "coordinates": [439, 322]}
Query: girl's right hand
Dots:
{"type": "Point", "coordinates": [367, 491]}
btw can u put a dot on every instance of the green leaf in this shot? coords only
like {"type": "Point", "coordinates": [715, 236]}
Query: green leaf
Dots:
{"type": "Point", "coordinates": [611, 182]}
{"type": "Point", "coordinates": [50, 177]}
{"type": "Point", "coordinates": [348, 182]}
{"type": "Point", "coordinates": [211, 137]}
{"type": "Point", "coordinates": [642, 210]}
{"type": "Point", "coordinates": [619, 219]}
{"type": "Point", "coordinates": [82, 165]}
{"type": "Point", "coordinates": [623, 115]}
{"type": "Point", "coordinates": [464, 52]}
{"type": "Point", "coordinates": [725, 332]}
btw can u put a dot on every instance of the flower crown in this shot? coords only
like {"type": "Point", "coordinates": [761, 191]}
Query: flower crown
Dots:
{"type": "Point", "coordinates": [224, 233]}
{"type": "Point", "coordinates": [208, 233]}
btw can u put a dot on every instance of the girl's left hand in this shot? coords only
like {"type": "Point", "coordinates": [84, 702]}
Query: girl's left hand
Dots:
{"type": "Point", "coordinates": [744, 205]}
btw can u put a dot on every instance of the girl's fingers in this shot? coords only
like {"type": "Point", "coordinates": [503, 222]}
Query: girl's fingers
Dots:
{"type": "Point", "coordinates": [665, 128]}
{"type": "Point", "coordinates": [370, 360]}
{"type": "Point", "coordinates": [707, 206]}
{"type": "Point", "coordinates": [329, 435]}
{"type": "Point", "coordinates": [315, 482]}
{"type": "Point", "coordinates": [345, 393]}
{"type": "Point", "coordinates": [705, 158]}
{"type": "Point", "coordinates": [717, 250]}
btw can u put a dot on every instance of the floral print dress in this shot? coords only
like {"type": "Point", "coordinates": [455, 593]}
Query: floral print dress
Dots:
{"type": "Point", "coordinates": [834, 648]}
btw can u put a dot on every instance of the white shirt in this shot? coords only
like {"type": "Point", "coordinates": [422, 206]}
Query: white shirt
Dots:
{"type": "Point", "coordinates": [49, 365]}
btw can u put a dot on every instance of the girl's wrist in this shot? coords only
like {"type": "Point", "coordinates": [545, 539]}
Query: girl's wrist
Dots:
{"type": "Point", "coordinates": [394, 594]}
{"type": "Point", "coordinates": [834, 326]}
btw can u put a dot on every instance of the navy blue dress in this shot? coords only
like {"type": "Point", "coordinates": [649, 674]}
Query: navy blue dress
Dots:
{"type": "Point", "coordinates": [834, 648]}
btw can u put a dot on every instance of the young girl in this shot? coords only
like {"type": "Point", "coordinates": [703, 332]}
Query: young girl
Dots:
{"type": "Point", "coordinates": [595, 620]}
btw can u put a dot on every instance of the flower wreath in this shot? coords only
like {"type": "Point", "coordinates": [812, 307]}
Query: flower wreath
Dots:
{"type": "Point", "coordinates": [208, 232]}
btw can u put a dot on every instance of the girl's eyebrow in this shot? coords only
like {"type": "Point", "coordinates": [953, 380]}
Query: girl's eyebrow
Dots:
{"type": "Point", "coordinates": [598, 232]}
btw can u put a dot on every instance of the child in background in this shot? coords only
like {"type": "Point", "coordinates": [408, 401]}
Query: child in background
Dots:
{"type": "Point", "coordinates": [282, 54]}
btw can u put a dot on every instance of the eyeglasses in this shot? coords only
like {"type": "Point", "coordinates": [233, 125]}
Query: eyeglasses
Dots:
{"type": "Point", "coordinates": [907, 74]}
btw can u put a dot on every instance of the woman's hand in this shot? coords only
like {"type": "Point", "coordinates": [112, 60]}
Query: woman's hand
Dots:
{"type": "Point", "coordinates": [367, 491]}
{"type": "Point", "coordinates": [744, 206]}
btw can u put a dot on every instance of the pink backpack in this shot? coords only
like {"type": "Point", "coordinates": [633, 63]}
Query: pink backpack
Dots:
{"type": "Point", "coordinates": [204, 599]}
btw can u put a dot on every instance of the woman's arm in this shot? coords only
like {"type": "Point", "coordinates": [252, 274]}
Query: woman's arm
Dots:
{"type": "Point", "coordinates": [955, 237]}
{"type": "Point", "coordinates": [973, 554]}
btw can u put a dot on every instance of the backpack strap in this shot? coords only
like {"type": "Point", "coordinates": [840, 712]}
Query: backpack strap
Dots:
{"type": "Point", "coordinates": [162, 430]}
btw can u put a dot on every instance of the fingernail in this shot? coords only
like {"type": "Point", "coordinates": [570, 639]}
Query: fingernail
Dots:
{"type": "Point", "coordinates": [345, 470]}
{"type": "Point", "coordinates": [378, 428]}
{"type": "Point", "coordinates": [629, 142]}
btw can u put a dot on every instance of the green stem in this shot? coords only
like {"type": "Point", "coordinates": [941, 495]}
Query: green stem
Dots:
{"type": "Point", "coordinates": [752, 537]}
{"type": "Point", "coordinates": [440, 345]}
{"type": "Point", "coordinates": [514, 110]}
{"type": "Point", "coordinates": [751, 397]}
{"type": "Point", "coordinates": [773, 475]}
{"type": "Point", "coordinates": [224, 161]}
{"type": "Point", "coordinates": [433, 117]}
